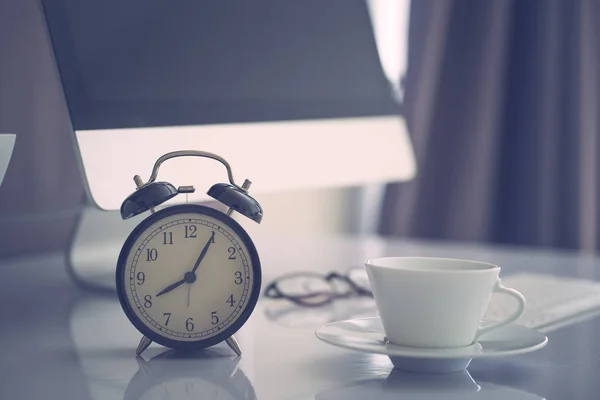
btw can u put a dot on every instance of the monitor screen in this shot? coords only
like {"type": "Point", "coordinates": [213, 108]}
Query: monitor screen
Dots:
{"type": "Point", "coordinates": [147, 63]}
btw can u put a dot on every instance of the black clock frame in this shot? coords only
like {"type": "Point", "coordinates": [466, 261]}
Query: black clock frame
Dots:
{"type": "Point", "coordinates": [227, 221]}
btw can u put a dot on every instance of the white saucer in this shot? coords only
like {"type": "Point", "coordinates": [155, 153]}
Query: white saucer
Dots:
{"type": "Point", "coordinates": [366, 334]}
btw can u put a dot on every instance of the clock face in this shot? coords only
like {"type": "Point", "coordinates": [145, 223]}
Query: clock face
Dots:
{"type": "Point", "coordinates": [188, 275]}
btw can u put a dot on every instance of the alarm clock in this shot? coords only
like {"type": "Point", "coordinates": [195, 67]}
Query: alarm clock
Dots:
{"type": "Point", "coordinates": [188, 276]}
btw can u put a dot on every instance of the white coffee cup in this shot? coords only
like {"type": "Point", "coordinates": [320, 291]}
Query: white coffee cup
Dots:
{"type": "Point", "coordinates": [436, 302]}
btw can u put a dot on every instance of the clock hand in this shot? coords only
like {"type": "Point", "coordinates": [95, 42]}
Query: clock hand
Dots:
{"type": "Point", "coordinates": [188, 297]}
{"type": "Point", "coordinates": [171, 287]}
{"type": "Point", "coordinates": [189, 277]}
{"type": "Point", "coordinates": [203, 253]}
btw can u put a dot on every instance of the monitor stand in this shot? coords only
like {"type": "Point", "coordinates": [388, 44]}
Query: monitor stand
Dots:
{"type": "Point", "coordinates": [96, 245]}
{"type": "Point", "coordinates": [7, 143]}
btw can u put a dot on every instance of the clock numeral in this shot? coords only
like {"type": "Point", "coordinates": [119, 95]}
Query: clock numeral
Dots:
{"type": "Point", "coordinates": [168, 315]}
{"type": "Point", "coordinates": [231, 301]}
{"type": "Point", "coordinates": [190, 231]}
{"type": "Point", "coordinates": [238, 278]}
{"type": "Point", "coordinates": [213, 318]}
{"type": "Point", "coordinates": [212, 237]}
{"type": "Point", "coordinates": [151, 254]}
{"type": "Point", "coordinates": [189, 324]}
{"type": "Point", "coordinates": [167, 237]}
{"type": "Point", "coordinates": [147, 301]}
{"type": "Point", "coordinates": [141, 278]}
{"type": "Point", "coordinates": [231, 251]}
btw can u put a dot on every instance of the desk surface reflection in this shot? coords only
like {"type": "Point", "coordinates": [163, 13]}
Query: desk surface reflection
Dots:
{"type": "Point", "coordinates": [62, 342]}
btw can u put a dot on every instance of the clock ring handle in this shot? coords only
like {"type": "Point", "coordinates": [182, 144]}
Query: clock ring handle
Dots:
{"type": "Point", "coordinates": [197, 153]}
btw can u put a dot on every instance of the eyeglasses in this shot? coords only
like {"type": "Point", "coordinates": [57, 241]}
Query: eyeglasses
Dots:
{"type": "Point", "coordinates": [310, 289]}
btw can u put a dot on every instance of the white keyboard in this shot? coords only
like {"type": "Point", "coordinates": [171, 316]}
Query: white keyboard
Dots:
{"type": "Point", "coordinates": [551, 301]}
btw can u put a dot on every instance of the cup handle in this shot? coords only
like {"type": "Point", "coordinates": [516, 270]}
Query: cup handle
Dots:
{"type": "Point", "coordinates": [513, 317]}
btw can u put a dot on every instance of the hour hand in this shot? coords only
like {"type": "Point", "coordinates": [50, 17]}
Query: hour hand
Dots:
{"type": "Point", "coordinates": [171, 287]}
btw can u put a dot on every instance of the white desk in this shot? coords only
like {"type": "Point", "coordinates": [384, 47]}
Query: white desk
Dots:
{"type": "Point", "coordinates": [59, 342]}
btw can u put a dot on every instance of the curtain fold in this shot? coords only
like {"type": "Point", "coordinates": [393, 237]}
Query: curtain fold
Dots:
{"type": "Point", "coordinates": [502, 101]}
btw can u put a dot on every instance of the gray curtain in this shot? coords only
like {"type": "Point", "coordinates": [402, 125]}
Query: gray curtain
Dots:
{"type": "Point", "coordinates": [503, 103]}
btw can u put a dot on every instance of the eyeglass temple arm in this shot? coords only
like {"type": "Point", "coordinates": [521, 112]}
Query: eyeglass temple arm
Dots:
{"type": "Point", "coordinates": [349, 281]}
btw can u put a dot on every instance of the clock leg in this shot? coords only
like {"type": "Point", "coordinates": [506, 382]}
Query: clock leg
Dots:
{"type": "Point", "coordinates": [144, 343]}
{"type": "Point", "coordinates": [235, 366]}
{"type": "Point", "coordinates": [233, 344]}
{"type": "Point", "coordinates": [144, 366]}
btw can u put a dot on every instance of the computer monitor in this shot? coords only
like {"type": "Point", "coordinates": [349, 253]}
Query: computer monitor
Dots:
{"type": "Point", "coordinates": [293, 94]}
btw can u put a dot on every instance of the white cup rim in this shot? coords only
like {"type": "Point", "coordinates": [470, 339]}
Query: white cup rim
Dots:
{"type": "Point", "coordinates": [372, 262]}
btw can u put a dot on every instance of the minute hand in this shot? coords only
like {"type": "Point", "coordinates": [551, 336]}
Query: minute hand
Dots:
{"type": "Point", "coordinates": [203, 253]}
